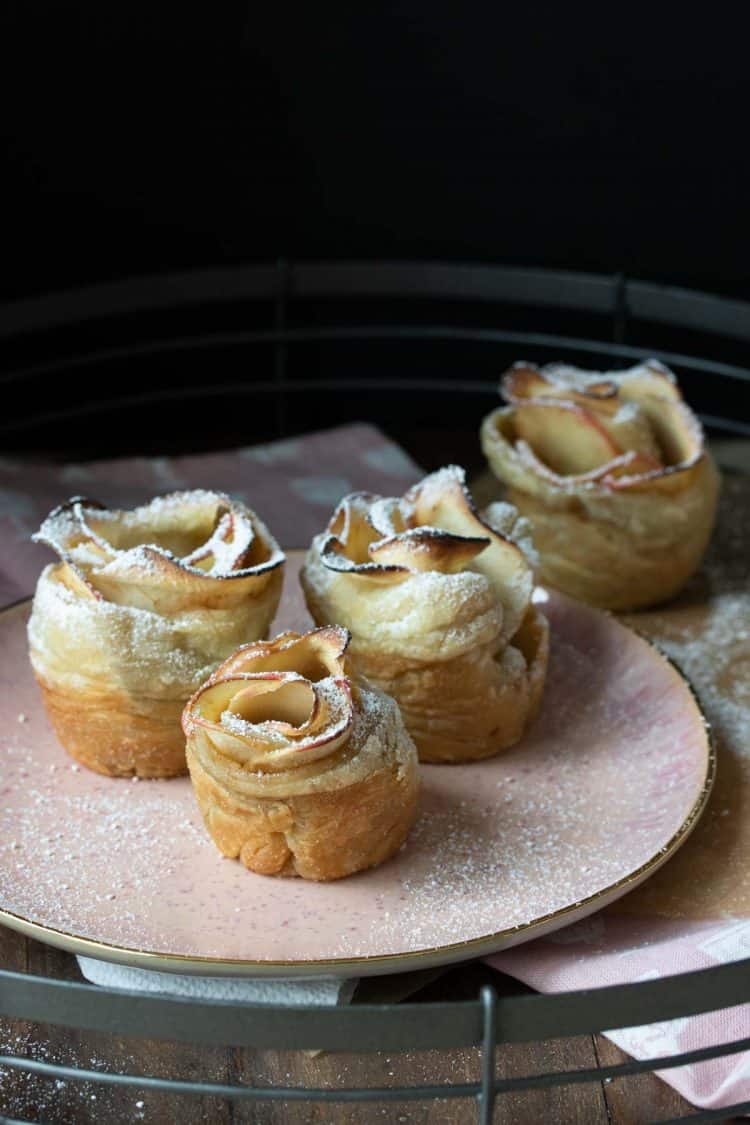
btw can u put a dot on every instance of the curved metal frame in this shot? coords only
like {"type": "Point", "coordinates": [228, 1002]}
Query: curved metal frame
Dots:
{"type": "Point", "coordinates": [616, 299]}
{"type": "Point", "coordinates": [486, 1022]}
{"type": "Point", "coordinates": [490, 1019]}
{"type": "Point", "coordinates": [615, 296]}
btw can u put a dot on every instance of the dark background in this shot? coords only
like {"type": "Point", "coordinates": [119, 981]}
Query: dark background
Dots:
{"type": "Point", "coordinates": [141, 139]}
{"type": "Point", "coordinates": [151, 137]}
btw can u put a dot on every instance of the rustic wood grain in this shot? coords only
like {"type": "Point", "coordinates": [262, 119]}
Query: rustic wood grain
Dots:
{"type": "Point", "coordinates": [14, 1034]}
{"type": "Point", "coordinates": [412, 1068]}
{"type": "Point", "coordinates": [40, 1099]}
{"type": "Point", "coordinates": [46, 1100]}
{"type": "Point", "coordinates": [639, 1097]}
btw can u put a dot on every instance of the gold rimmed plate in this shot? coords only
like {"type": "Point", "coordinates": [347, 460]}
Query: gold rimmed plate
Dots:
{"type": "Point", "coordinates": [600, 793]}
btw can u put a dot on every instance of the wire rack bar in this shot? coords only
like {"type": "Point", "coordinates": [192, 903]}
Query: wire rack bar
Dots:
{"type": "Point", "coordinates": [295, 386]}
{"type": "Point", "coordinates": [488, 1091]}
{"type": "Point", "coordinates": [373, 1027]}
{"type": "Point", "coordinates": [608, 295]}
{"type": "Point", "coordinates": [485, 1091]}
{"type": "Point", "coordinates": [455, 333]}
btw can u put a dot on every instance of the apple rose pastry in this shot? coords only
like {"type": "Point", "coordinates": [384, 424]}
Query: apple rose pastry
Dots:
{"type": "Point", "coordinates": [612, 472]}
{"type": "Point", "coordinates": [438, 602]}
{"type": "Point", "coordinates": [296, 770]}
{"type": "Point", "coordinates": [139, 610]}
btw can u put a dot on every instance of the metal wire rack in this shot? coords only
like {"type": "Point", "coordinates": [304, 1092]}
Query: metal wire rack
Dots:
{"type": "Point", "coordinates": [485, 311]}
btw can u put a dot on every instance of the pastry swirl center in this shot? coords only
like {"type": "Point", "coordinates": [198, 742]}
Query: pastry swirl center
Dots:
{"type": "Point", "coordinates": [290, 702]}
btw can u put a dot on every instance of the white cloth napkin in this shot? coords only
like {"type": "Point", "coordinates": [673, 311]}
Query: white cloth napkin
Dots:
{"type": "Point", "coordinates": [325, 991]}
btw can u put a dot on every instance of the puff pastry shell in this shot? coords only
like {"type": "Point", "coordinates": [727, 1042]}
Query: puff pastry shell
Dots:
{"type": "Point", "coordinates": [140, 609]}
{"type": "Point", "coordinates": [612, 471]}
{"type": "Point", "coordinates": [439, 604]}
{"type": "Point", "coordinates": [295, 769]}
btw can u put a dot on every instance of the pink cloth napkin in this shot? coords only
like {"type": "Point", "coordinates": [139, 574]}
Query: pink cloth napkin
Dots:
{"type": "Point", "coordinates": [293, 484]}
{"type": "Point", "coordinates": [608, 949]}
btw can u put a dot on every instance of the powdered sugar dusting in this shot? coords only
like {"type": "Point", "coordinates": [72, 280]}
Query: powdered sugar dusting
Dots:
{"type": "Point", "coordinates": [29, 1097]}
{"type": "Point", "coordinates": [204, 533]}
{"type": "Point", "coordinates": [707, 631]}
{"type": "Point", "coordinates": [504, 518]}
{"type": "Point", "coordinates": [726, 635]}
{"type": "Point", "coordinates": [329, 691]}
{"type": "Point", "coordinates": [88, 824]}
{"type": "Point", "coordinates": [497, 844]}
{"type": "Point", "coordinates": [580, 379]}
{"type": "Point", "coordinates": [235, 724]}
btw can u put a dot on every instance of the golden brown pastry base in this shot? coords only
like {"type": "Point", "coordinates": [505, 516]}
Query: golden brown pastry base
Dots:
{"type": "Point", "coordinates": [622, 545]}
{"type": "Point", "coordinates": [320, 836]}
{"type": "Point", "coordinates": [609, 566]}
{"type": "Point", "coordinates": [106, 735]}
{"type": "Point", "coordinates": [468, 708]}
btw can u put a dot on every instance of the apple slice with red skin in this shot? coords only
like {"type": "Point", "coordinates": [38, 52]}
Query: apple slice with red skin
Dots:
{"type": "Point", "coordinates": [603, 391]}
{"type": "Point", "coordinates": [429, 548]}
{"type": "Point", "coordinates": [632, 430]}
{"type": "Point", "coordinates": [351, 533]}
{"type": "Point", "coordinates": [627, 422]}
{"type": "Point", "coordinates": [669, 482]}
{"type": "Point", "coordinates": [281, 702]}
{"type": "Point", "coordinates": [350, 525]}
{"type": "Point", "coordinates": [533, 464]}
{"type": "Point", "coordinates": [334, 555]}
{"type": "Point", "coordinates": [278, 704]}
{"type": "Point", "coordinates": [566, 437]}
{"type": "Point", "coordinates": [633, 472]}
{"type": "Point", "coordinates": [386, 516]}
{"type": "Point", "coordinates": [633, 464]}
{"type": "Point", "coordinates": [649, 380]}
{"type": "Point", "coordinates": [522, 381]}
{"type": "Point", "coordinates": [314, 655]}
{"type": "Point", "coordinates": [442, 500]}
{"type": "Point", "coordinates": [527, 381]}
{"type": "Point", "coordinates": [677, 430]}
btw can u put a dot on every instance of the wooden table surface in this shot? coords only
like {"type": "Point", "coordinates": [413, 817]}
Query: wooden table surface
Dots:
{"type": "Point", "coordinates": [626, 1101]}
{"type": "Point", "coordinates": [629, 1101]}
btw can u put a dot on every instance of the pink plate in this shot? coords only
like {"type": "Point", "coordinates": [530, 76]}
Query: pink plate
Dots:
{"type": "Point", "coordinates": [601, 792]}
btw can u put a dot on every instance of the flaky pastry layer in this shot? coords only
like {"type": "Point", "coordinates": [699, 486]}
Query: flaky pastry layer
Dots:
{"type": "Point", "coordinates": [121, 633]}
{"type": "Point", "coordinates": [320, 794]}
{"type": "Point", "coordinates": [612, 472]}
{"type": "Point", "coordinates": [438, 602]}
